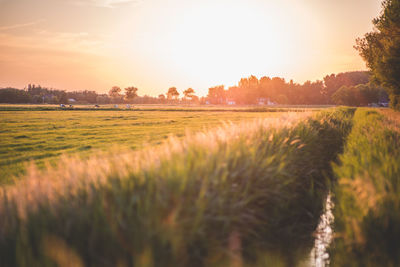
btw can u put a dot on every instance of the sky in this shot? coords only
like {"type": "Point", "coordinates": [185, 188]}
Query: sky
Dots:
{"type": "Point", "coordinates": [157, 44]}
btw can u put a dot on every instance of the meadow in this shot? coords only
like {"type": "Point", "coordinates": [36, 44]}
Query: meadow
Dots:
{"type": "Point", "coordinates": [43, 133]}
{"type": "Point", "coordinates": [246, 193]}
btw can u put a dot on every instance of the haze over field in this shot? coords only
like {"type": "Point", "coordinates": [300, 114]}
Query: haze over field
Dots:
{"type": "Point", "coordinates": [154, 44]}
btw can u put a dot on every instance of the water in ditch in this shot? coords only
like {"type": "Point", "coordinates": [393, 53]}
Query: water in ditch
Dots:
{"type": "Point", "coordinates": [319, 256]}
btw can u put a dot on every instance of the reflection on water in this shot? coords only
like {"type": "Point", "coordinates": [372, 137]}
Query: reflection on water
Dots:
{"type": "Point", "coordinates": [319, 256]}
{"type": "Point", "coordinates": [323, 236]}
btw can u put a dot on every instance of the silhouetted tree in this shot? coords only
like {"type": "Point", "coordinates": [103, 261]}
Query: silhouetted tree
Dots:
{"type": "Point", "coordinates": [103, 99]}
{"type": "Point", "coordinates": [83, 97]}
{"type": "Point", "coordinates": [14, 96]}
{"type": "Point", "coordinates": [63, 97]}
{"type": "Point", "coordinates": [236, 94]}
{"type": "Point", "coordinates": [334, 81]}
{"type": "Point", "coordinates": [345, 96]}
{"type": "Point", "coordinates": [282, 99]}
{"type": "Point", "coordinates": [370, 93]}
{"type": "Point", "coordinates": [250, 88]}
{"type": "Point", "coordinates": [115, 95]}
{"type": "Point", "coordinates": [359, 95]}
{"type": "Point", "coordinates": [195, 99]}
{"type": "Point", "coordinates": [172, 93]}
{"type": "Point", "coordinates": [130, 93]}
{"type": "Point", "coordinates": [217, 94]}
{"type": "Point", "coordinates": [114, 92]}
{"type": "Point", "coordinates": [188, 93]}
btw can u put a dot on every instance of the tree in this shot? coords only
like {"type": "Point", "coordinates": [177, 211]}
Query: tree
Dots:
{"type": "Point", "coordinates": [114, 92]}
{"type": "Point", "coordinates": [12, 95]}
{"type": "Point", "coordinates": [334, 82]}
{"type": "Point", "coordinates": [217, 94]}
{"type": "Point", "coordinates": [195, 99]}
{"type": "Point", "coordinates": [381, 50]}
{"type": "Point", "coordinates": [251, 89]}
{"type": "Point", "coordinates": [236, 94]}
{"type": "Point", "coordinates": [359, 95]}
{"type": "Point", "coordinates": [115, 95]}
{"type": "Point", "coordinates": [367, 94]}
{"type": "Point", "coordinates": [188, 93]}
{"type": "Point", "coordinates": [172, 93]}
{"type": "Point", "coordinates": [282, 99]}
{"type": "Point", "coordinates": [161, 98]}
{"type": "Point", "coordinates": [130, 93]}
{"type": "Point", "coordinates": [345, 95]}
{"type": "Point", "coordinates": [63, 97]}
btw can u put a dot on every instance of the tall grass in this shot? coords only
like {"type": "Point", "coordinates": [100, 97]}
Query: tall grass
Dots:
{"type": "Point", "coordinates": [219, 198]}
{"type": "Point", "coordinates": [367, 212]}
{"type": "Point", "coordinates": [43, 136]}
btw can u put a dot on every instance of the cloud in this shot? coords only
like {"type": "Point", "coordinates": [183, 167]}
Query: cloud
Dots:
{"type": "Point", "coordinates": [21, 25]}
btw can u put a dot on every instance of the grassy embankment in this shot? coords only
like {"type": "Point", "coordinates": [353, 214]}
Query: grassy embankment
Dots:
{"type": "Point", "coordinates": [246, 194]}
{"type": "Point", "coordinates": [41, 136]}
{"type": "Point", "coordinates": [367, 213]}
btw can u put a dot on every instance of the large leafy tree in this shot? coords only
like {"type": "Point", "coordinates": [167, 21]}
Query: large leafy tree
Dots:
{"type": "Point", "coordinates": [217, 94]}
{"type": "Point", "coordinates": [334, 81]}
{"type": "Point", "coordinates": [381, 50]}
{"type": "Point", "coordinates": [130, 93]}
{"type": "Point", "coordinates": [172, 93]}
{"type": "Point", "coordinates": [188, 93]}
{"type": "Point", "coordinates": [114, 92]}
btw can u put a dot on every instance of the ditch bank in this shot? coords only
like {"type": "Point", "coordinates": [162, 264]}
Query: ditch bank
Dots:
{"type": "Point", "coordinates": [367, 192]}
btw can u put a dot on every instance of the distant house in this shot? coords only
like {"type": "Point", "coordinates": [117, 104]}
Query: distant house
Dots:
{"type": "Point", "coordinates": [262, 101]}
{"type": "Point", "coordinates": [375, 105]}
{"type": "Point", "coordinates": [270, 103]}
{"type": "Point", "coordinates": [384, 104]}
{"type": "Point", "coordinates": [71, 100]}
{"type": "Point", "coordinates": [230, 101]}
{"type": "Point", "coordinates": [265, 101]}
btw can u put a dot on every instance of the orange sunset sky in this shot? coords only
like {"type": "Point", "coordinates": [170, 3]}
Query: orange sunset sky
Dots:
{"type": "Point", "coordinates": [156, 44]}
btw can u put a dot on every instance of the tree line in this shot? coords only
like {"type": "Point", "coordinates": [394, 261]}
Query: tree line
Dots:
{"type": "Point", "coordinates": [36, 94]}
{"type": "Point", "coordinates": [349, 88]}
{"type": "Point", "coordinates": [252, 90]}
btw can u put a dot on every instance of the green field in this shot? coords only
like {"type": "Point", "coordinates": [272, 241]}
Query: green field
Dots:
{"type": "Point", "coordinates": [183, 199]}
{"type": "Point", "coordinates": [250, 193]}
{"type": "Point", "coordinates": [30, 134]}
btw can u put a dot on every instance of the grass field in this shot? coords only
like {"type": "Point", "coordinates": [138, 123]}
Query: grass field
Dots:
{"type": "Point", "coordinates": [44, 135]}
{"type": "Point", "coordinates": [248, 193]}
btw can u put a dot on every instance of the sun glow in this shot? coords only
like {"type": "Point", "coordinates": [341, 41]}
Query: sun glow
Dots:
{"type": "Point", "coordinates": [223, 44]}
{"type": "Point", "coordinates": [156, 44]}
{"type": "Point", "coordinates": [217, 43]}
